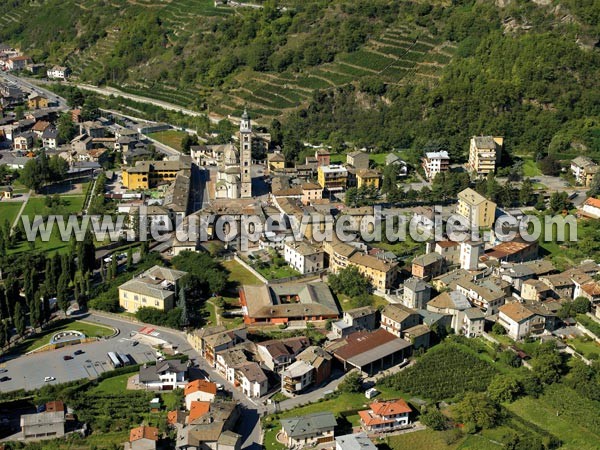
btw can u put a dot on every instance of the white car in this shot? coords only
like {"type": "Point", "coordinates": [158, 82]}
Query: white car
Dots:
{"type": "Point", "coordinates": [46, 379]}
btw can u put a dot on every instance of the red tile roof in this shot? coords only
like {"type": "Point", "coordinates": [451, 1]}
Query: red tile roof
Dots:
{"type": "Point", "coordinates": [143, 433]}
{"type": "Point", "coordinates": [198, 409]}
{"type": "Point", "coordinates": [55, 406]}
{"type": "Point", "coordinates": [594, 202]}
{"type": "Point", "coordinates": [390, 407]}
{"type": "Point", "coordinates": [200, 385]}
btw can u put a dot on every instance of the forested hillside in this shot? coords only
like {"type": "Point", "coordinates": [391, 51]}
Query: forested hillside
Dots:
{"type": "Point", "coordinates": [379, 73]}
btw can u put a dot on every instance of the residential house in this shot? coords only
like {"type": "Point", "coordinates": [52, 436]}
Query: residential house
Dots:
{"type": "Point", "coordinates": [487, 293]}
{"type": "Point", "coordinates": [363, 318]}
{"type": "Point", "coordinates": [217, 342]}
{"type": "Point", "coordinates": [164, 375]}
{"type": "Point", "coordinates": [308, 430]}
{"type": "Point", "coordinates": [311, 192]}
{"type": "Point", "coordinates": [92, 128]}
{"type": "Point", "coordinates": [39, 127]}
{"type": "Point", "coordinates": [478, 210]}
{"type": "Point", "coordinates": [520, 321]}
{"type": "Point", "coordinates": [252, 379]}
{"type": "Point", "coordinates": [513, 251]}
{"type": "Point", "coordinates": [142, 438]}
{"type": "Point", "coordinates": [24, 141]}
{"type": "Point", "coordinates": [277, 354]}
{"type": "Point", "coordinates": [535, 290]}
{"type": "Point", "coordinates": [385, 416]}
{"type": "Point", "coordinates": [416, 293]}
{"type": "Point", "coordinates": [199, 391]}
{"type": "Point", "coordinates": [18, 62]}
{"type": "Point", "coordinates": [358, 159]}
{"type": "Point", "coordinates": [428, 266]}
{"type": "Point", "coordinates": [320, 360]}
{"type": "Point", "coordinates": [229, 360]}
{"type": "Point", "coordinates": [517, 274]}
{"type": "Point", "coordinates": [579, 168]}
{"type": "Point", "coordinates": [210, 430]}
{"type": "Point", "coordinates": [304, 257]}
{"type": "Point", "coordinates": [49, 424]}
{"type": "Point", "coordinates": [368, 178]}
{"type": "Point", "coordinates": [37, 101]}
{"type": "Point", "coordinates": [561, 284]}
{"type": "Point", "coordinates": [381, 273]}
{"type": "Point", "coordinates": [196, 337]}
{"type": "Point", "coordinates": [148, 174]}
{"type": "Point", "coordinates": [451, 303]}
{"type": "Point", "coordinates": [276, 162]}
{"type": "Point", "coordinates": [484, 154]}
{"type": "Point", "coordinates": [356, 441]}
{"type": "Point", "coordinates": [58, 73]}
{"type": "Point", "coordinates": [396, 318]}
{"type": "Point", "coordinates": [157, 287]}
{"type": "Point", "coordinates": [434, 163]}
{"type": "Point", "coordinates": [591, 208]}
{"type": "Point", "coordinates": [419, 336]}
{"type": "Point", "coordinates": [450, 250]}
{"type": "Point", "coordinates": [50, 138]}
{"type": "Point", "coordinates": [473, 322]}
{"type": "Point", "coordinates": [296, 377]}
{"type": "Point", "coordinates": [333, 178]}
{"type": "Point", "coordinates": [394, 160]}
{"type": "Point", "coordinates": [323, 157]}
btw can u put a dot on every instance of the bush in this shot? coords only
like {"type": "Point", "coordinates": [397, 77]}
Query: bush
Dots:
{"type": "Point", "coordinates": [434, 419]}
{"type": "Point", "coordinates": [351, 384]}
{"type": "Point", "coordinates": [498, 329]}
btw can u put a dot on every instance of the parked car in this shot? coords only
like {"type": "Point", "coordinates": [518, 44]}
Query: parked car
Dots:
{"type": "Point", "coordinates": [46, 379]}
{"type": "Point", "coordinates": [3, 370]}
{"type": "Point", "coordinates": [67, 357]}
{"type": "Point", "coordinates": [79, 352]}
{"type": "Point", "coordinates": [134, 343]}
{"type": "Point", "coordinates": [3, 379]}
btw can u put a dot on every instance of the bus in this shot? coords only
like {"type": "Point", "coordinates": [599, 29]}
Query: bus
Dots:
{"type": "Point", "coordinates": [113, 360]}
{"type": "Point", "coordinates": [126, 360]}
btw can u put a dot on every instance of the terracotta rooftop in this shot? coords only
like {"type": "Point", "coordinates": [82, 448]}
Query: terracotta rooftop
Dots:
{"type": "Point", "coordinates": [143, 433]}
{"type": "Point", "coordinates": [200, 385]}
{"type": "Point", "coordinates": [198, 409]}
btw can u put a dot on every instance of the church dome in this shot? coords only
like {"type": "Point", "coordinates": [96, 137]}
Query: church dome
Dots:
{"type": "Point", "coordinates": [231, 156]}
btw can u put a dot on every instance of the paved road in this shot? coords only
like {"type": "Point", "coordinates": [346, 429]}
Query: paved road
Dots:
{"type": "Point", "coordinates": [30, 87]}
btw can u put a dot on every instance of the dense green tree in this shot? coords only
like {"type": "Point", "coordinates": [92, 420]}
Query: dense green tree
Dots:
{"type": "Point", "coordinates": [478, 409]}
{"type": "Point", "coordinates": [19, 318]}
{"type": "Point", "coordinates": [66, 128]}
{"type": "Point", "coordinates": [349, 281]}
{"type": "Point", "coordinates": [434, 419]}
{"type": "Point", "coordinates": [504, 388]}
{"type": "Point", "coordinates": [352, 383]}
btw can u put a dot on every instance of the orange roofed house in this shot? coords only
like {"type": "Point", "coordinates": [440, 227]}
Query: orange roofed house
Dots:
{"type": "Point", "coordinates": [142, 438]}
{"type": "Point", "coordinates": [199, 391]}
{"type": "Point", "coordinates": [385, 416]}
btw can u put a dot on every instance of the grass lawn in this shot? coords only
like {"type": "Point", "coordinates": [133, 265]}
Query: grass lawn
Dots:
{"type": "Point", "coordinates": [585, 346]}
{"type": "Point", "coordinates": [530, 168]}
{"type": "Point", "coordinates": [349, 303]}
{"type": "Point", "coordinates": [208, 312]}
{"type": "Point", "coordinates": [172, 138]}
{"type": "Point", "coordinates": [276, 273]}
{"type": "Point", "coordinates": [113, 384]}
{"type": "Point", "coordinates": [9, 211]}
{"type": "Point", "coordinates": [238, 274]}
{"type": "Point", "coordinates": [89, 329]}
{"type": "Point", "coordinates": [419, 440]}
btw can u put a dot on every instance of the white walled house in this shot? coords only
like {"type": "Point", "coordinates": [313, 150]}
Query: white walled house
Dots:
{"type": "Point", "coordinates": [58, 73]}
{"type": "Point", "coordinates": [165, 375]}
{"type": "Point", "coordinates": [304, 257]}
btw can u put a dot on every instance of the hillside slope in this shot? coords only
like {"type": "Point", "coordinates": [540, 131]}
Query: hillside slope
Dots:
{"type": "Point", "coordinates": [379, 73]}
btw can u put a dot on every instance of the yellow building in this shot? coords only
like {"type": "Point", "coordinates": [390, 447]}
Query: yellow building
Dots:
{"type": "Point", "coordinates": [157, 288]}
{"type": "Point", "coordinates": [381, 273]}
{"type": "Point", "coordinates": [36, 101]}
{"type": "Point", "coordinates": [332, 177]}
{"type": "Point", "coordinates": [480, 211]}
{"type": "Point", "coordinates": [148, 174]}
{"type": "Point", "coordinates": [484, 154]}
{"type": "Point", "coordinates": [276, 162]}
{"type": "Point", "coordinates": [368, 177]}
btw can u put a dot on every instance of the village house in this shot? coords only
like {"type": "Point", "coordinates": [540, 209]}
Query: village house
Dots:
{"type": "Point", "coordinates": [39, 127]}
{"type": "Point", "coordinates": [210, 430]}
{"type": "Point", "coordinates": [304, 257]}
{"type": "Point", "coordinates": [397, 318]}
{"type": "Point", "coordinates": [520, 321]}
{"type": "Point", "coordinates": [37, 101]}
{"type": "Point", "coordinates": [356, 441]}
{"type": "Point", "coordinates": [484, 154]}
{"type": "Point", "coordinates": [50, 138]}
{"type": "Point", "coordinates": [535, 290]}
{"type": "Point", "coordinates": [363, 318]}
{"type": "Point", "coordinates": [428, 266]}
{"type": "Point", "coordinates": [488, 293]}
{"type": "Point", "coordinates": [164, 375]}
{"type": "Point", "coordinates": [311, 192]}
{"type": "Point", "coordinates": [199, 391]}
{"type": "Point", "coordinates": [229, 360]}
{"type": "Point", "coordinates": [394, 160]}
{"type": "Point", "coordinates": [512, 251]}
{"type": "Point", "coordinates": [48, 424]}
{"type": "Point", "coordinates": [58, 73]}
{"type": "Point", "coordinates": [18, 62]}
{"type": "Point", "coordinates": [252, 380]}
{"type": "Point", "coordinates": [219, 341]}
{"type": "Point", "coordinates": [276, 162]}
{"type": "Point", "coordinates": [368, 178]}
{"type": "Point", "coordinates": [450, 250]}
{"type": "Point", "coordinates": [561, 284]}
{"type": "Point", "coordinates": [580, 167]}
{"type": "Point", "coordinates": [308, 430]}
{"type": "Point", "coordinates": [385, 416]}
{"type": "Point", "coordinates": [157, 287]}
{"type": "Point", "coordinates": [452, 303]}
{"type": "Point", "coordinates": [416, 293]}
{"type": "Point", "coordinates": [333, 178]}
{"type": "Point", "coordinates": [296, 378]}
{"type": "Point", "coordinates": [277, 354]}
{"type": "Point", "coordinates": [591, 208]}
{"type": "Point", "coordinates": [23, 141]}
{"type": "Point", "coordinates": [358, 159]}
{"type": "Point", "coordinates": [142, 438]}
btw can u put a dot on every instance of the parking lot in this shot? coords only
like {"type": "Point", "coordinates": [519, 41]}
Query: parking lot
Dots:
{"type": "Point", "coordinates": [28, 372]}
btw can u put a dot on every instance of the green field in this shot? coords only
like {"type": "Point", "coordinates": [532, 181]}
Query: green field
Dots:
{"type": "Point", "coordinates": [239, 275]}
{"type": "Point", "coordinates": [585, 346]}
{"type": "Point", "coordinates": [113, 384]}
{"type": "Point", "coordinates": [9, 211]}
{"type": "Point", "coordinates": [39, 340]}
{"type": "Point", "coordinates": [530, 168]}
{"type": "Point", "coordinates": [172, 138]}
